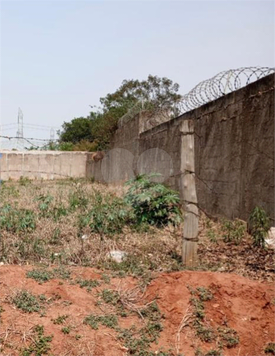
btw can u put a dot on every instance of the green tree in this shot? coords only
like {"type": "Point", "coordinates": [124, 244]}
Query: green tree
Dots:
{"type": "Point", "coordinates": [101, 124]}
{"type": "Point", "coordinates": [77, 130]}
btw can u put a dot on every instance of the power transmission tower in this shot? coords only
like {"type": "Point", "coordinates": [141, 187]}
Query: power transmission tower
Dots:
{"type": "Point", "coordinates": [19, 134]}
{"type": "Point", "coordinates": [52, 133]}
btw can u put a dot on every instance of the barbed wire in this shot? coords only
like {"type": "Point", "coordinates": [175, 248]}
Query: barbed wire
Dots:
{"type": "Point", "coordinates": [206, 91]}
{"type": "Point", "coordinates": [24, 143]}
{"type": "Point", "coordinates": [221, 84]}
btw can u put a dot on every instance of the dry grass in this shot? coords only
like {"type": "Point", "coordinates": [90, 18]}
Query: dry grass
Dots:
{"type": "Point", "coordinates": [58, 240]}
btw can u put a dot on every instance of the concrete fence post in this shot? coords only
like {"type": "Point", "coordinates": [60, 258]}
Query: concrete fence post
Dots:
{"type": "Point", "coordinates": [189, 194]}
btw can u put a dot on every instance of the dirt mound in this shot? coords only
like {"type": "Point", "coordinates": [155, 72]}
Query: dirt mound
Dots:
{"type": "Point", "coordinates": [80, 311]}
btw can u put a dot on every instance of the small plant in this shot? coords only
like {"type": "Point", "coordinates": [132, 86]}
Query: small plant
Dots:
{"type": "Point", "coordinates": [78, 199]}
{"type": "Point", "coordinates": [107, 320]}
{"type": "Point", "coordinates": [258, 226]}
{"type": "Point", "coordinates": [151, 312]}
{"type": "Point", "coordinates": [40, 343]}
{"type": "Point", "coordinates": [24, 181]}
{"type": "Point", "coordinates": [107, 216]}
{"type": "Point", "coordinates": [270, 348]}
{"type": "Point", "coordinates": [106, 278]}
{"type": "Point", "coordinates": [88, 283]}
{"type": "Point", "coordinates": [44, 203]}
{"type": "Point", "coordinates": [66, 329]}
{"type": "Point", "coordinates": [213, 353]}
{"type": "Point", "coordinates": [204, 294]}
{"type": "Point", "coordinates": [26, 301]}
{"type": "Point", "coordinates": [153, 203]}
{"type": "Point", "coordinates": [62, 273]}
{"type": "Point", "coordinates": [60, 320]}
{"type": "Point", "coordinates": [233, 231]}
{"type": "Point", "coordinates": [40, 275]}
{"type": "Point", "coordinates": [229, 337]}
{"type": "Point", "coordinates": [109, 296]}
{"type": "Point", "coordinates": [212, 236]}
{"type": "Point", "coordinates": [16, 220]}
{"type": "Point", "coordinates": [1, 311]}
{"type": "Point", "coordinates": [206, 334]}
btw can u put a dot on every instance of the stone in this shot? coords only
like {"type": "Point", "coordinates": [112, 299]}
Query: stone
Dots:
{"type": "Point", "coordinates": [117, 255]}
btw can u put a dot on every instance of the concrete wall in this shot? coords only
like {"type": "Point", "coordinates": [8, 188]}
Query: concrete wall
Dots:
{"type": "Point", "coordinates": [42, 165]}
{"type": "Point", "coordinates": [234, 151]}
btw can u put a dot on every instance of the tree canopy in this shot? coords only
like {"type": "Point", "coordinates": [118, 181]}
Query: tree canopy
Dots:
{"type": "Point", "coordinates": [99, 126]}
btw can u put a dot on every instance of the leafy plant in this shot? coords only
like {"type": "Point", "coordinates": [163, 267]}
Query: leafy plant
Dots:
{"type": "Point", "coordinates": [107, 216]}
{"type": "Point", "coordinates": [26, 301]}
{"type": "Point", "coordinates": [40, 343]}
{"type": "Point", "coordinates": [106, 320]}
{"type": "Point", "coordinates": [60, 320]}
{"type": "Point", "coordinates": [153, 203]}
{"type": "Point", "coordinates": [66, 329]}
{"type": "Point", "coordinates": [44, 203]}
{"type": "Point", "coordinates": [233, 231]}
{"type": "Point", "coordinates": [24, 181]}
{"type": "Point", "coordinates": [16, 220]}
{"type": "Point", "coordinates": [40, 275]}
{"type": "Point", "coordinates": [88, 283]}
{"type": "Point", "coordinates": [229, 337]}
{"type": "Point", "coordinates": [259, 225]}
{"type": "Point", "coordinates": [78, 199]}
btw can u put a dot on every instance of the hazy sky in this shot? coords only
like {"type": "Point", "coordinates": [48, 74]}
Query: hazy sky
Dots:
{"type": "Point", "coordinates": [59, 57]}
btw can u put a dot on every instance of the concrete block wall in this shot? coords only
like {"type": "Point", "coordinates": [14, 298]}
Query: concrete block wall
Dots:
{"type": "Point", "coordinates": [234, 151]}
{"type": "Point", "coordinates": [42, 165]}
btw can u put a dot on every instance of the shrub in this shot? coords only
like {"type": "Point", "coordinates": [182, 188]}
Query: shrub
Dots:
{"type": "Point", "coordinates": [233, 231]}
{"type": "Point", "coordinates": [153, 203]}
{"type": "Point", "coordinates": [258, 226]}
{"type": "Point", "coordinates": [16, 220]}
{"type": "Point", "coordinates": [107, 216]}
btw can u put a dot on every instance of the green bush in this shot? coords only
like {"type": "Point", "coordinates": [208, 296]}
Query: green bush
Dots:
{"type": "Point", "coordinates": [233, 231]}
{"type": "Point", "coordinates": [153, 203]}
{"type": "Point", "coordinates": [16, 220]}
{"type": "Point", "coordinates": [107, 216]}
{"type": "Point", "coordinates": [258, 226]}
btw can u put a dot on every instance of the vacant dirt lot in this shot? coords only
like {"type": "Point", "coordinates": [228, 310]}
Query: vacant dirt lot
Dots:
{"type": "Point", "coordinates": [61, 295]}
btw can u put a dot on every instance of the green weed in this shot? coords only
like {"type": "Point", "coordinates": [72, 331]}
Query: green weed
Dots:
{"type": "Point", "coordinates": [259, 224]}
{"type": "Point", "coordinates": [88, 283]}
{"type": "Point", "coordinates": [107, 320]}
{"type": "Point", "coordinates": [153, 203]}
{"type": "Point", "coordinates": [26, 301]}
{"type": "Point", "coordinates": [233, 231]}
{"type": "Point", "coordinates": [229, 337]}
{"type": "Point", "coordinates": [40, 275]}
{"type": "Point", "coordinates": [40, 343]}
{"type": "Point", "coordinates": [16, 220]}
{"type": "Point", "coordinates": [60, 320]}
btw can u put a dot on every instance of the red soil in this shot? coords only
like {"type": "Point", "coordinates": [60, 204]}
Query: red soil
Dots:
{"type": "Point", "coordinates": [239, 303]}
